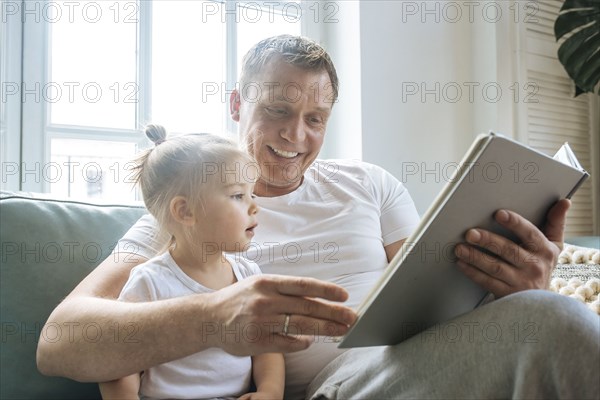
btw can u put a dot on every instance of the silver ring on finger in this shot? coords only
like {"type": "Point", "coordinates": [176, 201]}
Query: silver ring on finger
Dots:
{"type": "Point", "coordinates": [286, 324]}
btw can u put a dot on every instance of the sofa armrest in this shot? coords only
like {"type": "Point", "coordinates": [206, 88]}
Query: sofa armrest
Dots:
{"type": "Point", "coordinates": [47, 246]}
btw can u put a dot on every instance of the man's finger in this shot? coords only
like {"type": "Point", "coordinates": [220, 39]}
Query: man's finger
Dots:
{"type": "Point", "coordinates": [308, 326]}
{"type": "Point", "coordinates": [554, 228]}
{"type": "Point", "coordinates": [308, 287]}
{"type": "Point", "coordinates": [495, 286]}
{"type": "Point", "coordinates": [504, 248]}
{"type": "Point", "coordinates": [315, 309]}
{"type": "Point", "coordinates": [527, 232]}
{"type": "Point", "coordinates": [487, 263]}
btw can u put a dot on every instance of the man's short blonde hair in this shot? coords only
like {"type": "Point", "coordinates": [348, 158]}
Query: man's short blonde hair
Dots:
{"type": "Point", "coordinates": [296, 50]}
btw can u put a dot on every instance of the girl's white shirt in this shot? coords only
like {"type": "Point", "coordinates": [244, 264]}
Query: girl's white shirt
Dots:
{"type": "Point", "coordinates": [211, 373]}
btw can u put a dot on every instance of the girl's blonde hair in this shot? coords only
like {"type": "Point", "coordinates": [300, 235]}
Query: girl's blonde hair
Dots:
{"type": "Point", "coordinates": [186, 165]}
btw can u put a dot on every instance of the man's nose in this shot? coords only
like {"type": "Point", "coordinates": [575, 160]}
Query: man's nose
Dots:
{"type": "Point", "coordinates": [294, 132]}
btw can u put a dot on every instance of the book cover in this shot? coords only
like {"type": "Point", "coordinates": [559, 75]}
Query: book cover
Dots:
{"type": "Point", "coordinates": [422, 285]}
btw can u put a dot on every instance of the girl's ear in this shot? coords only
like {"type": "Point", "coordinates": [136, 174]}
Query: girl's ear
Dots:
{"type": "Point", "coordinates": [234, 105]}
{"type": "Point", "coordinates": [181, 211]}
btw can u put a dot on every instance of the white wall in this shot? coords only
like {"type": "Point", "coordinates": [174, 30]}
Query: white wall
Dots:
{"type": "Point", "coordinates": [341, 36]}
{"type": "Point", "coordinates": [408, 46]}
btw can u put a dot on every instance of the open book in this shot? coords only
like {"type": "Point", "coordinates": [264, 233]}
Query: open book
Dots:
{"type": "Point", "coordinates": [422, 285]}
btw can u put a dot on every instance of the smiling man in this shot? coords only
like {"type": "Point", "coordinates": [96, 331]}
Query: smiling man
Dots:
{"type": "Point", "coordinates": [285, 110]}
{"type": "Point", "coordinates": [340, 222]}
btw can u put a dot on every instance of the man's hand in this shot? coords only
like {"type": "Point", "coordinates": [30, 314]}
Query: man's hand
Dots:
{"type": "Point", "coordinates": [252, 314]}
{"type": "Point", "coordinates": [514, 267]}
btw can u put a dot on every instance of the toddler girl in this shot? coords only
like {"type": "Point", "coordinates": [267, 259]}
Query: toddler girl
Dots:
{"type": "Point", "coordinates": [199, 187]}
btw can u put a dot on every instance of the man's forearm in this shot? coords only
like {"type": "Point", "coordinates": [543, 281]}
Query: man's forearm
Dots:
{"type": "Point", "coordinates": [100, 340]}
{"type": "Point", "coordinates": [108, 339]}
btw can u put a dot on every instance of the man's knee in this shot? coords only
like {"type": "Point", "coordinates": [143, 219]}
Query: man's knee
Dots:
{"type": "Point", "coordinates": [555, 317]}
{"type": "Point", "coordinates": [539, 304]}
{"type": "Point", "coordinates": [567, 338]}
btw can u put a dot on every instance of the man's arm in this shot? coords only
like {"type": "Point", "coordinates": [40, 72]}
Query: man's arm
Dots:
{"type": "Point", "coordinates": [392, 248]}
{"type": "Point", "coordinates": [108, 339]}
{"type": "Point", "coordinates": [75, 354]}
{"type": "Point", "coordinates": [515, 267]}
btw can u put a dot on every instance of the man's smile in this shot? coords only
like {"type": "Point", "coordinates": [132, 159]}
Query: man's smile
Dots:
{"type": "Point", "coordinates": [283, 153]}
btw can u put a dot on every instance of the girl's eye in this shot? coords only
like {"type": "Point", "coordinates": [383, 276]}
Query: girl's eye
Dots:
{"type": "Point", "coordinates": [238, 196]}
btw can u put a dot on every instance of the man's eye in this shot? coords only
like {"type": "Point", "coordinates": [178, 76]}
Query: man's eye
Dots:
{"type": "Point", "coordinates": [276, 111]}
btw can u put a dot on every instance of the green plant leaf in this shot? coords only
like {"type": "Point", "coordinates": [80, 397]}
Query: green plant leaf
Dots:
{"type": "Point", "coordinates": [577, 54]}
{"type": "Point", "coordinates": [577, 18]}
{"type": "Point", "coordinates": [579, 22]}
{"type": "Point", "coordinates": [592, 74]}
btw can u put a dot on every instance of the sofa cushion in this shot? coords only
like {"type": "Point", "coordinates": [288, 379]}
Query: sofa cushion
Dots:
{"type": "Point", "coordinates": [47, 246]}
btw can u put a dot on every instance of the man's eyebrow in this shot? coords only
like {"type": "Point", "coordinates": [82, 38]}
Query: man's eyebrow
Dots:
{"type": "Point", "coordinates": [318, 108]}
{"type": "Point", "coordinates": [324, 109]}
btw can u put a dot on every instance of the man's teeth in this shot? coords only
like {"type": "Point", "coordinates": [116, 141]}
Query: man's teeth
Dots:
{"type": "Point", "coordinates": [285, 154]}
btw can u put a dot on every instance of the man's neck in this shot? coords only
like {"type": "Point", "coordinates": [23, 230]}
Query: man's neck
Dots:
{"type": "Point", "coordinates": [265, 189]}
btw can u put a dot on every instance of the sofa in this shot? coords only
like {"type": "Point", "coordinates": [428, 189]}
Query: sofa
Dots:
{"type": "Point", "coordinates": [48, 245]}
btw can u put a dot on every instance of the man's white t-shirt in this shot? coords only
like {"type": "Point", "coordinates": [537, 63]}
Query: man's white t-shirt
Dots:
{"type": "Point", "coordinates": [333, 227]}
{"type": "Point", "coordinates": [211, 373]}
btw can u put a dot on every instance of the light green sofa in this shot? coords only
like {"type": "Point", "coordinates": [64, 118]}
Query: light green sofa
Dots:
{"type": "Point", "coordinates": [47, 247]}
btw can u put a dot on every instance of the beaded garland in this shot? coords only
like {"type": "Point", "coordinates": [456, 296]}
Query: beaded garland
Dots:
{"type": "Point", "coordinates": [578, 261]}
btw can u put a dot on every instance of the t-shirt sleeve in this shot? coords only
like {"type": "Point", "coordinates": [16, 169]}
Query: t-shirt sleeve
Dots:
{"type": "Point", "coordinates": [245, 267]}
{"type": "Point", "coordinates": [398, 215]}
{"type": "Point", "coordinates": [139, 287]}
{"type": "Point", "coordinates": [143, 238]}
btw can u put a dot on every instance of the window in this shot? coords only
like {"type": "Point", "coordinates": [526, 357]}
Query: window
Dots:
{"type": "Point", "coordinates": [554, 116]}
{"type": "Point", "coordinates": [96, 72]}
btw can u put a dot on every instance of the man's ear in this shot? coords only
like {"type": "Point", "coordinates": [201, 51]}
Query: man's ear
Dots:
{"type": "Point", "coordinates": [234, 105]}
{"type": "Point", "coordinates": [181, 211]}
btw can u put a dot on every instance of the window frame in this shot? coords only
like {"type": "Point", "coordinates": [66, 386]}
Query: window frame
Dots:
{"type": "Point", "coordinates": [11, 51]}
{"type": "Point", "coordinates": [30, 149]}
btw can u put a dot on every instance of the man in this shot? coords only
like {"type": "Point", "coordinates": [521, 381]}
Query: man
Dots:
{"type": "Point", "coordinates": [339, 222]}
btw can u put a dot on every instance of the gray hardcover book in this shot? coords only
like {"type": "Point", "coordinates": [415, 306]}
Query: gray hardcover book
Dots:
{"type": "Point", "coordinates": [422, 285]}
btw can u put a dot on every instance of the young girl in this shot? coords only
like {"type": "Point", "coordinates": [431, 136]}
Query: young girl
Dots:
{"type": "Point", "coordinates": [199, 188]}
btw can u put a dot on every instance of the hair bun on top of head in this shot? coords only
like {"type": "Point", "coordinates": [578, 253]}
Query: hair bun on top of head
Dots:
{"type": "Point", "coordinates": [156, 133]}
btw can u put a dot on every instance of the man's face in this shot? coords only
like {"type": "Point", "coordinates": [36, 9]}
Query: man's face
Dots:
{"type": "Point", "coordinates": [282, 117]}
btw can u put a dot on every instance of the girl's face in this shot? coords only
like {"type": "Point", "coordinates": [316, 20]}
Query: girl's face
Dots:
{"type": "Point", "coordinates": [227, 215]}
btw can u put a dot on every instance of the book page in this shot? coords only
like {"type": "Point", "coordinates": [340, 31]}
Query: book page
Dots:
{"type": "Point", "coordinates": [566, 156]}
